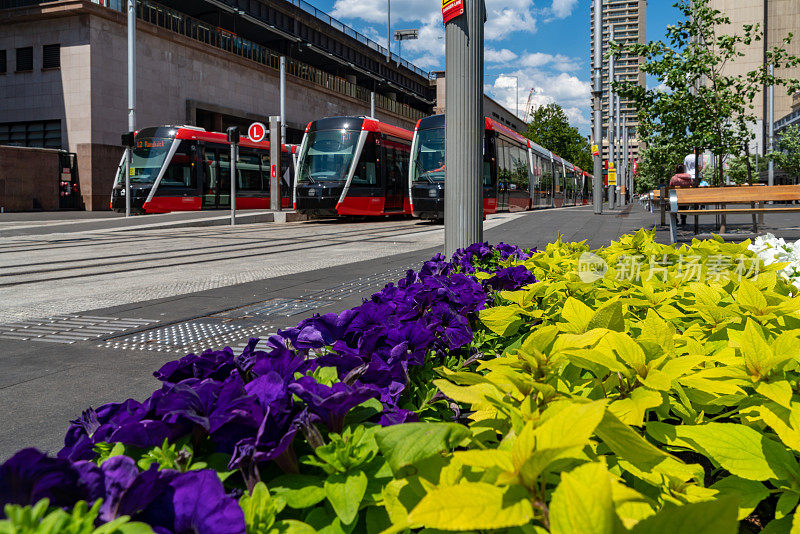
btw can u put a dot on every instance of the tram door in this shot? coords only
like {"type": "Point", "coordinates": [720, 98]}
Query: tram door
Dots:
{"type": "Point", "coordinates": [395, 169]}
{"type": "Point", "coordinates": [504, 173]}
{"type": "Point", "coordinates": [217, 181]}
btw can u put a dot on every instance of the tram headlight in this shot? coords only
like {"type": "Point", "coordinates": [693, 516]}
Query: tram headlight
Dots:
{"type": "Point", "coordinates": [433, 193]}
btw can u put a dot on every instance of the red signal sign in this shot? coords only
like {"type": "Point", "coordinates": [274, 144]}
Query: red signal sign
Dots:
{"type": "Point", "coordinates": [257, 132]}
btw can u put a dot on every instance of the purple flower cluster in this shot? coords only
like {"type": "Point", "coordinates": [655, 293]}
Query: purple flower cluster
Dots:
{"type": "Point", "coordinates": [251, 406]}
{"type": "Point", "coordinates": [169, 501]}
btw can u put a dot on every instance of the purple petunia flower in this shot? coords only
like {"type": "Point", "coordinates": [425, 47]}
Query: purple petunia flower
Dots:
{"type": "Point", "coordinates": [30, 476]}
{"type": "Point", "coordinates": [331, 403]}
{"type": "Point", "coordinates": [511, 278]}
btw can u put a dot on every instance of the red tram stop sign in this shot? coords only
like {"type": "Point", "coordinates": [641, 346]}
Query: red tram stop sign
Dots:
{"type": "Point", "coordinates": [257, 132]}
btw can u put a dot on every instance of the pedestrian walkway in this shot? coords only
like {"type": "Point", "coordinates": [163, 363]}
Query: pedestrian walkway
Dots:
{"type": "Point", "coordinates": [90, 315]}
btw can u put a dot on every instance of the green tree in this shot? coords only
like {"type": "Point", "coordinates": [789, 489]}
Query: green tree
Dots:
{"type": "Point", "coordinates": [787, 157]}
{"type": "Point", "coordinates": [550, 128]}
{"type": "Point", "coordinates": [657, 163]}
{"type": "Point", "coordinates": [703, 106]}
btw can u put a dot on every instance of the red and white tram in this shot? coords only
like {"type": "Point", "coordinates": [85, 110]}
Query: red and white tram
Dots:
{"type": "Point", "coordinates": [184, 168]}
{"type": "Point", "coordinates": [352, 166]}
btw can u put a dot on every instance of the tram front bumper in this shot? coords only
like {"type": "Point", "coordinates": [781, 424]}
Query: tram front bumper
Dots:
{"type": "Point", "coordinates": [429, 208]}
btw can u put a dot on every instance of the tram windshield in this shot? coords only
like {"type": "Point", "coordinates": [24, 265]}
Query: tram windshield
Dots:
{"type": "Point", "coordinates": [429, 159]}
{"type": "Point", "coordinates": [148, 157]}
{"type": "Point", "coordinates": [328, 155]}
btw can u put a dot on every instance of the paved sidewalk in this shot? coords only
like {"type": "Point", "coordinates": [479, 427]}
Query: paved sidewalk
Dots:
{"type": "Point", "coordinates": [125, 303]}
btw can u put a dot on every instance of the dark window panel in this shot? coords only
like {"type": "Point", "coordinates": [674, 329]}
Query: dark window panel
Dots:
{"type": "Point", "coordinates": [51, 56]}
{"type": "Point", "coordinates": [25, 59]}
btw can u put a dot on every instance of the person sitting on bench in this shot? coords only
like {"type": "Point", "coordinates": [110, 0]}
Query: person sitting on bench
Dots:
{"type": "Point", "coordinates": [681, 179]}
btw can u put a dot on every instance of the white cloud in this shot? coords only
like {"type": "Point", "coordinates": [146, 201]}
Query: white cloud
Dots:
{"type": "Point", "coordinates": [507, 16]}
{"type": "Point", "coordinates": [563, 8]}
{"type": "Point", "coordinates": [558, 62]}
{"type": "Point", "coordinates": [505, 55]}
{"type": "Point", "coordinates": [407, 10]}
{"type": "Point", "coordinates": [569, 91]}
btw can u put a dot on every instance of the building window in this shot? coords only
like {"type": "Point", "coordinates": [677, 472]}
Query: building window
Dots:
{"type": "Point", "coordinates": [25, 59]}
{"type": "Point", "coordinates": [3, 65]}
{"type": "Point", "coordinates": [51, 56]}
{"type": "Point", "coordinates": [40, 134]}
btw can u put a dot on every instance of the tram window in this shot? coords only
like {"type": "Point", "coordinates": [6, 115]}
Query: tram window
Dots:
{"type": "Point", "coordinates": [396, 162]}
{"type": "Point", "coordinates": [248, 170]}
{"type": "Point", "coordinates": [224, 177]}
{"type": "Point", "coordinates": [180, 171]}
{"type": "Point", "coordinates": [366, 171]}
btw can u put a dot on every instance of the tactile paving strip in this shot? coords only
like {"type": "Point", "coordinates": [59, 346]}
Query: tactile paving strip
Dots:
{"type": "Point", "coordinates": [194, 336]}
{"type": "Point", "coordinates": [358, 286]}
{"type": "Point", "coordinates": [69, 328]}
{"type": "Point", "coordinates": [282, 307]}
{"type": "Point", "coordinates": [234, 328]}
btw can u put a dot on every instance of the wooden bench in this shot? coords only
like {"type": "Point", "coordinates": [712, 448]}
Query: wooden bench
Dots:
{"type": "Point", "coordinates": [717, 198]}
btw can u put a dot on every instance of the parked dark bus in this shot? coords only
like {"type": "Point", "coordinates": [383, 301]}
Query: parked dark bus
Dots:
{"type": "Point", "coordinates": [352, 166]}
{"type": "Point", "coordinates": [184, 168]}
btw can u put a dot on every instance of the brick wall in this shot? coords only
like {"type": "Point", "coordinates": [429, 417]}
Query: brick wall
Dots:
{"type": "Point", "coordinates": [29, 178]}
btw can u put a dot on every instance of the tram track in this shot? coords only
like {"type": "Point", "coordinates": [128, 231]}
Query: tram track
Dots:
{"type": "Point", "coordinates": [283, 245]}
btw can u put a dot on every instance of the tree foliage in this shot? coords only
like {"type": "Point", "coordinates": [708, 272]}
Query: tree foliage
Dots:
{"type": "Point", "coordinates": [550, 128]}
{"type": "Point", "coordinates": [704, 104]}
{"type": "Point", "coordinates": [787, 157]}
{"type": "Point", "coordinates": [657, 163]}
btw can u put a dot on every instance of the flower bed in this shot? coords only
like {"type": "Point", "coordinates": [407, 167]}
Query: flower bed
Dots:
{"type": "Point", "coordinates": [637, 388]}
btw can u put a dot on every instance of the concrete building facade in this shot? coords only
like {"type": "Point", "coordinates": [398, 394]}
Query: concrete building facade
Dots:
{"type": "Point", "coordinates": [629, 18]}
{"type": "Point", "coordinates": [777, 18]}
{"type": "Point", "coordinates": [64, 84]}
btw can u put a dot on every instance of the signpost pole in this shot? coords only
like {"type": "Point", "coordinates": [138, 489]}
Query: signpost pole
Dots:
{"type": "Point", "coordinates": [597, 188]}
{"type": "Point", "coordinates": [283, 99]}
{"type": "Point", "coordinates": [611, 126]}
{"type": "Point", "coordinates": [131, 99]}
{"type": "Point", "coordinates": [233, 139]}
{"type": "Point", "coordinates": [464, 123]}
{"type": "Point", "coordinates": [274, 164]}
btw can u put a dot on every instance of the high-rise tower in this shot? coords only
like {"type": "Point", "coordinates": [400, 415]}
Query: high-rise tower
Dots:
{"type": "Point", "coordinates": [629, 18]}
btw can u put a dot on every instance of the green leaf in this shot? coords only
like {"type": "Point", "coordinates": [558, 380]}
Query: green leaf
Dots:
{"type": "Point", "coordinates": [292, 526]}
{"type": "Point", "coordinates": [299, 491]}
{"type": "Point", "coordinates": [577, 315]}
{"type": "Point", "coordinates": [609, 316]}
{"type": "Point", "coordinates": [741, 450]}
{"type": "Point", "coordinates": [259, 510]}
{"type": "Point", "coordinates": [473, 506]}
{"type": "Point", "coordinates": [406, 444]}
{"type": "Point", "coordinates": [710, 517]}
{"type": "Point", "coordinates": [780, 392]}
{"type": "Point", "coordinates": [502, 320]}
{"type": "Point", "coordinates": [631, 411]}
{"type": "Point", "coordinates": [583, 502]}
{"type": "Point", "coordinates": [748, 492]}
{"type": "Point", "coordinates": [345, 491]}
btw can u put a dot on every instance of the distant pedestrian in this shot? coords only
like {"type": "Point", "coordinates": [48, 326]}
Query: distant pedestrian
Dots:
{"type": "Point", "coordinates": [681, 178]}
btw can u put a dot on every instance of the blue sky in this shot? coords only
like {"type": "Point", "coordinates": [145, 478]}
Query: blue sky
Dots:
{"type": "Point", "coordinates": [543, 42]}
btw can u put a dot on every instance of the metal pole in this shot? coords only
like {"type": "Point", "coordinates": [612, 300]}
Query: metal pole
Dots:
{"type": "Point", "coordinates": [771, 127]}
{"type": "Point", "coordinates": [626, 162]}
{"type": "Point", "coordinates": [597, 188]}
{"type": "Point", "coordinates": [275, 165]}
{"type": "Point", "coordinates": [372, 104]}
{"type": "Point", "coordinates": [611, 126]}
{"type": "Point", "coordinates": [283, 99]}
{"type": "Point", "coordinates": [233, 139]}
{"type": "Point", "coordinates": [131, 98]}
{"type": "Point", "coordinates": [620, 155]}
{"type": "Point", "coordinates": [464, 128]}
{"type": "Point", "coordinates": [389, 30]}
{"type": "Point", "coordinates": [517, 79]}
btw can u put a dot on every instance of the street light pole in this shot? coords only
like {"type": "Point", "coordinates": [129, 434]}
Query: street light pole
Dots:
{"type": "Point", "coordinates": [611, 126]}
{"type": "Point", "coordinates": [464, 128]}
{"type": "Point", "coordinates": [598, 107]}
{"type": "Point", "coordinates": [389, 30]}
{"type": "Point", "coordinates": [131, 99]}
{"type": "Point", "coordinates": [771, 126]}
